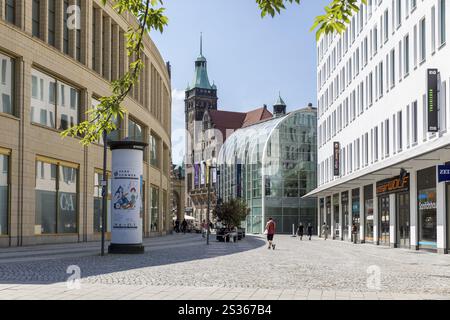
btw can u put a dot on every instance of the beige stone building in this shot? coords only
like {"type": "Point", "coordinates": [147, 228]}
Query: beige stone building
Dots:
{"type": "Point", "coordinates": [51, 73]}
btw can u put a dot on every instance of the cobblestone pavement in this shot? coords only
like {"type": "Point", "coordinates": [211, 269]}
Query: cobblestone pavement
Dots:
{"type": "Point", "coordinates": [183, 267]}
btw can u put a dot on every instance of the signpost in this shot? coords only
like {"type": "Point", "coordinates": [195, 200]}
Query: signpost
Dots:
{"type": "Point", "coordinates": [432, 97]}
{"type": "Point", "coordinates": [126, 188]}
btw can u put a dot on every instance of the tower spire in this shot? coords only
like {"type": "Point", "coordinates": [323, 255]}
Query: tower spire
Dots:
{"type": "Point", "coordinates": [201, 43]}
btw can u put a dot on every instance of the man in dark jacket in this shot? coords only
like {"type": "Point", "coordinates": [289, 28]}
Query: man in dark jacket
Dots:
{"type": "Point", "coordinates": [300, 231]}
{"type": "Point", "coordinates": [310, 230]}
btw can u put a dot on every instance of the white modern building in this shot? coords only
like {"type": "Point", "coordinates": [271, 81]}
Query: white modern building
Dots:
{"type": "Point", "coordinates": [384, 126]}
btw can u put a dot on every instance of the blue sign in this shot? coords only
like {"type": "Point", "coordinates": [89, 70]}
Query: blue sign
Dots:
{"type": "Point", "coordinates": [443, 173]}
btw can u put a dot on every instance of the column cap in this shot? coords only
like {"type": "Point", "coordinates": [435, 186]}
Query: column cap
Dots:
{"type": "Point", "coordinates": [127, 144]}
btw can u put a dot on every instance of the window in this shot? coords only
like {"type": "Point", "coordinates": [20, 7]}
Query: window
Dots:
{"type": "Point", "coordinates": [66, 27]}
{"type": "Point", "coordinates": [386, 136]}
{"type": "Point", "coordinates": [4, 193]}
{"type": "Point", "coordinates": [113, 135]}
{"type": "Point", "coordinates": [422, 41]}
{"type": "Point", "coordinates": [386, 25]}
{"type": "Point", "coordinates": [154, 220]}
{"type": "Point", "coordinates": [442, 22]}
{"type": "Point", "coordinates": [399, 13]}
{"type": "Point", "coordinates": [415, 47]}
{"type": "Point", "coordinates": [155, 152]}
{"type": "Point", "coordinates": [406, 55]}
{"type": "Point", "coordinates": [375, 143]}
{"type": "Point", "coordinates": [98, 202]}
{"type": "Point", "coordinates": [414, 123]}
{"type": "Point", "coordinates": [56, 198]}
{"type": "Point", "coordinates": [6, 84]}
{"type": "Point", "coordinates": [392, 67]}
{"type": "Point", "coordinates": [36, 18]}
{"type": "Point", "coordinates": [399, 131]}
{"type": "Point", "coordinates": [52, 101]}
{"type": "Point", "coordinates": [51, 22]}
{"type": "Point", "coordinates": [433, 29]}
{"type": "Point", "coordinates": [10, 11]}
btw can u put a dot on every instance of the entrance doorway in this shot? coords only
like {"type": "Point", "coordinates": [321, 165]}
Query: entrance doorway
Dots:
{"type": "Point", "coordinates": [345, 216]}
{"type": "Point", "coordinates": [384, 219]}
{"type": "Point", "coordinates": [403, 223]}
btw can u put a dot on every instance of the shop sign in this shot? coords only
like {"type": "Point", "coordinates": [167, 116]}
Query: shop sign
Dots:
{"type": "Point", "coordinates": [393, 185]}
{"type": "Point", "coordinates": [432, 100]}
{"type": "Point", "coordinates": [443, 173]}
{"type": "Point", "coordinates": [337, 158]}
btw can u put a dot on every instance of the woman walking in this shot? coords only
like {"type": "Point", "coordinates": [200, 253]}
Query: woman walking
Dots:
{"type": "Point", "coordinates": [270, 230]}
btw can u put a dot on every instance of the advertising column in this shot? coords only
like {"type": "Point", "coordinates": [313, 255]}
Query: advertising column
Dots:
{"type": "Point", "coordinates": [127, 170]}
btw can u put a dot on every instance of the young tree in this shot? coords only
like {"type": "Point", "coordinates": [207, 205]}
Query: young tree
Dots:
{"type": "Point", "coordinates": [231, 213]}
{"type": "Point", "coordinates": [150, 15]}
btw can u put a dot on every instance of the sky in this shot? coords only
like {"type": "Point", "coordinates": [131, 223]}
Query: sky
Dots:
{"type": "Point", "coordinates": [250, 59]}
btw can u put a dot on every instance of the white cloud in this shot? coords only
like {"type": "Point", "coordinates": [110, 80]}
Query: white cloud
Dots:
{"type": "Point", "coordinates": [178, 126]}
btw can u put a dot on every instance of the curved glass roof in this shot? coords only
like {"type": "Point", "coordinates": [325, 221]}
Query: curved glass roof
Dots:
{"type": "Point", "coordinates": [247, 144]}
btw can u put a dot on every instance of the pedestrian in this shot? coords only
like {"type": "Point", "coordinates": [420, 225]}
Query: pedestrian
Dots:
{"type": "Point", "coordinates": [300, 231]}
{"type": "Point", "coordinates": [204, 226]}
{"type": "Point", "coordinates": [310, 230]}
{"type": "Point", "coordinates": [184, 226]}
{"type": "Point", "coordinates": [354, 232]}
{"type": "Point", "coordinates": [177, 226]}
{"type": "Point", "coordinates": [325, 230]}
{"type": "Point", "coordinates": [270, 229]}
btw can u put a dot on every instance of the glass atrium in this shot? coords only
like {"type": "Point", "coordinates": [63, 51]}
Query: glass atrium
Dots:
{"type": "Point", "coordinates": [271, 165]}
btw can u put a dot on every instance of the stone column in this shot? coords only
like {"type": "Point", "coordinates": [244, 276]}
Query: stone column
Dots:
{"type": "Point", "coordinates": [441, 211]}
{"type": "Point", "coordinates": [107, 48]}
{"type": "Point", "coordinates": [332, 224]}
{"type": "Point", "coordinates": [115, 52]}
{"type": "Point", "coordinates": [44, 21]}
{"type": "Point", "coordinates": [350, 214]}
{"type": "Point", "coordinates": [341, 220]}
{"type": "Point", "coordinates": [72, 37]}
{"type": "Point", "coordinates": [28, 12]}
{"type": "Point", "coordinates": [319, 218]}
{"type": "Point", "coordinates": [414, 216]}
{"type": "Point", "coordinates": [98, 34]}
{"type": "Point", "coordinates": [59, 25]}
{"type": "Point", "coordinates": [2, 9]}
{"type": "Point", "coordinates": [362, 219]}
{"type": "Point", "coordinates": [393, 220]}
{"type": "Point", "coordinates": [376, 216]}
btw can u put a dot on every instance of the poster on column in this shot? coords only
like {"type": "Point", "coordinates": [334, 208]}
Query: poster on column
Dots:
{"type": "Point", "coordinates": [126, 198]}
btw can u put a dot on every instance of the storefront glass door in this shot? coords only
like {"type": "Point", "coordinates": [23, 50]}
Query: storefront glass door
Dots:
{"type": "Point", "coordinates": [384, 220]}
{"type": "Point", "coordinates": [403, 217]}
{"type": "Point", "coordinates": [345, 220]}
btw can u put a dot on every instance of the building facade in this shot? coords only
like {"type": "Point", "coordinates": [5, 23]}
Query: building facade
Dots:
{"type": "Point", "coordinates": [56, 59]}
{"type": "Point", "coordinates": [383, 126]}
{"type": "Point", "coordinates": [207, 129]}
{"type": "Point", "coordinates": [271, 165]}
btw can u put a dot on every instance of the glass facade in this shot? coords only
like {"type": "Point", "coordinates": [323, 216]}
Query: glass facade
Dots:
{"type": "Point", "coordinates": [426, 187]}
{"type": "Point", "coordinates": [271, 165]}
{"type": "Point", "coordinates": [6, 84]}
{"type": "Point", "coordinates": [368, 212]}
{"type": "Point", "coordinates": [56, 199]}
{"type": "Point", "coordinates": [4, 194]}
{"type": "Point", "coordinates": [154, 210]}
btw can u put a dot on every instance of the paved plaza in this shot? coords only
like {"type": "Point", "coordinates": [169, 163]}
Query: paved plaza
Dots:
{"type": "Point", "coordinates": [183, 267]}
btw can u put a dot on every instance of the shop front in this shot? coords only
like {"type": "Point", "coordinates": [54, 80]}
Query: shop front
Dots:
{"type": "Point", "coordinates": [345, 215]}
{"type": "Point", "coordinates": [427, 208]}
{"type": "Point", "coordinates": [336, 222]}
{"type": "Point", "coordinates": [393, 209]}
{"type": "Point", "coordinates": [356, 219]}
{"type": "Point", "coordinates": [368, 213]}
{"type": "Point", "coordinates": [328, 215]}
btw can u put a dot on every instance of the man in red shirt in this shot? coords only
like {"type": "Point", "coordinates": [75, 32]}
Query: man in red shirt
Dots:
{"type": "Point", "coordinates": [270, 230]}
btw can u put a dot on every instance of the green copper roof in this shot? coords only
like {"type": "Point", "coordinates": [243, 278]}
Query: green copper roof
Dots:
{"type": "Point", "coordinates": [280, 101]}
{"type": "Point", "coordinates": [201, 79]}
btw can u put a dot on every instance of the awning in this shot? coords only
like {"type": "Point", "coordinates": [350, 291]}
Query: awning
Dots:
{"type": "Point", "coordinates": [185, 217]}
